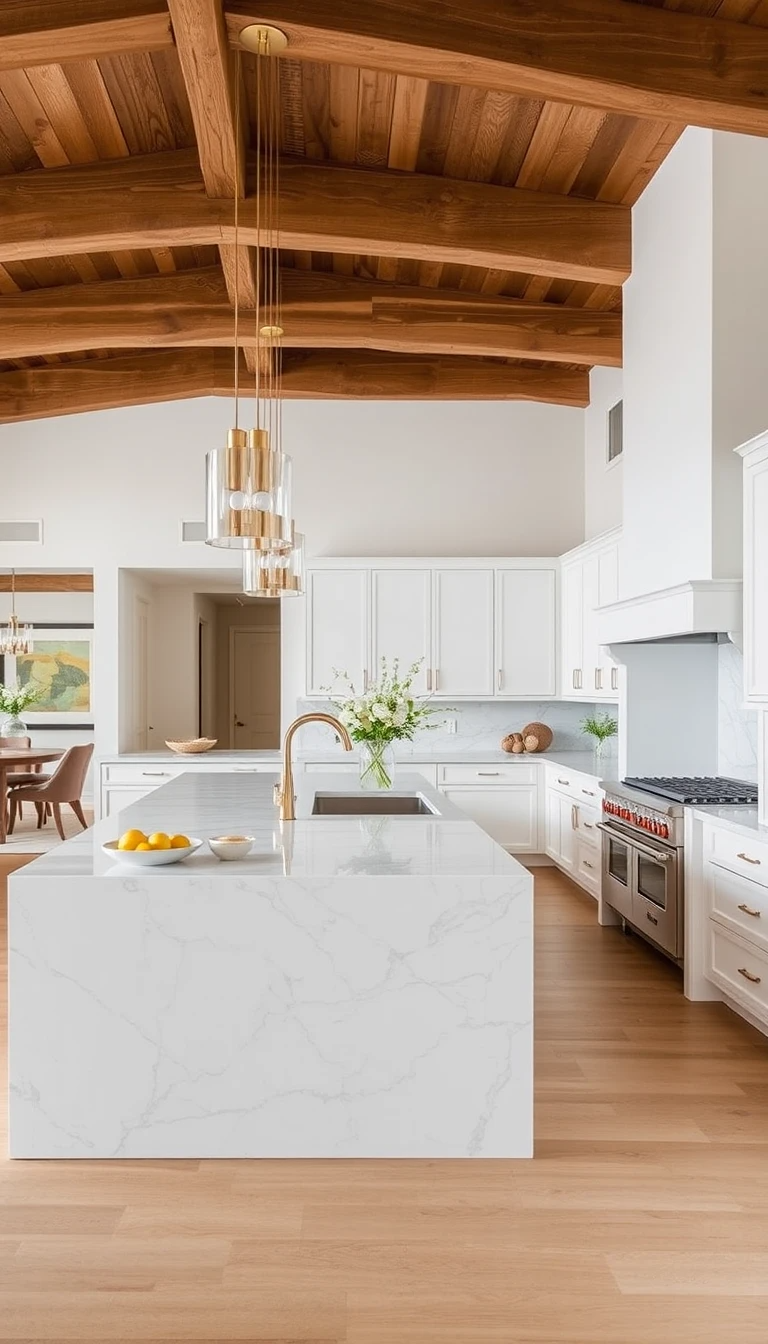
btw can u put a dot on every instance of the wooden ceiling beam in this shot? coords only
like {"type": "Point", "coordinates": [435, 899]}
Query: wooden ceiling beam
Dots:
{"type": "Point", "coordinates": [192, 309]}
{"type": "Point", "coordinates": [629, 58]}
{"type": "Point", "coordinates": [159, 200]}
{"type": "Point", "coordinates": [47, 583]}
{"type": "Point", "coordinates": [170, 375]}
{"type": "Point", "coordinates": [47, 32]}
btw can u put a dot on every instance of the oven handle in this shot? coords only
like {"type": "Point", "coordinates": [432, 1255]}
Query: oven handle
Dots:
{"type": "Point", "coordinates": [661, 855]}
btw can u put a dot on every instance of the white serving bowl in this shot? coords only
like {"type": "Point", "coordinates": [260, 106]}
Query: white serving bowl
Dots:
{"type": "Point", "coordinates": [224, 847]}
{"type": "Point", "coordinates": [149, 858]}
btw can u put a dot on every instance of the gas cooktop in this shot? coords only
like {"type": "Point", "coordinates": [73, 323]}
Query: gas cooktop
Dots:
{"type": "Point", "coordinates": [696, 789]}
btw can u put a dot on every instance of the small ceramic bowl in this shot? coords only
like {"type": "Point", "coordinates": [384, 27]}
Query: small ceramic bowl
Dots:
{"type": "Point", "coordinates": [229, 847]}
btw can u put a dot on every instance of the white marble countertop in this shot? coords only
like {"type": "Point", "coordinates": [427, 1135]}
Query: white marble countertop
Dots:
{"type": "Point", "coordinates": [582, 761]}
{"type": "Point", "coordinates": [741, 819]}
{"type": "Point", "coordinates": [206, 804]}
{"type": "Point", "coordinates": [220, 756]}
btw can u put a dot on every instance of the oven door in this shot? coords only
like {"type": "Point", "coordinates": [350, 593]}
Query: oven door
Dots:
{"type": "Point", "coordinates": [657, 896]}
{"type": "Point", "coordinates": [617, 865]}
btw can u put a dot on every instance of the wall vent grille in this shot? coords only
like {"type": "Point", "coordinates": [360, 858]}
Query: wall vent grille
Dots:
{"type": "Point", "coordinates": [192, 531]}
{"type": "Point", "coordinates": [615, 431]}
{"type": "Point", "coordinates": [13, 530]}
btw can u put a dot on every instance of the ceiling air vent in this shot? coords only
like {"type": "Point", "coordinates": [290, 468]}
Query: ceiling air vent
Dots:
{"type": "Point", "coordinates": [193, 531]}
{"type": "Point", "coordinates": [11, 530]}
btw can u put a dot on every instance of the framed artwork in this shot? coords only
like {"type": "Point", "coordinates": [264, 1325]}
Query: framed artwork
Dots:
{"type": "Point", "coordinates": [61, 666]}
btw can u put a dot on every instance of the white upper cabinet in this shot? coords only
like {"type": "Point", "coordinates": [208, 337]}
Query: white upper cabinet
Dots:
{"type": "Point", "coordinates": [401, 621]}
{"type": "Point", "coordinates": [462, 632]}
{"type": "Point", "coordinates": [337, 627]}
{"type": "Point", "coordinates": [755, 456]}
{"type": "Point", "coordinates": [590, 580]}
{"type": "Point", "coordinates": [525, 633]}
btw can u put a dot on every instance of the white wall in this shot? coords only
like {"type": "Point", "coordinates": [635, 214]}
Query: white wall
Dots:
{"type": "Point", "coordinates": [668, 376]}
{"type": "Point", "coordinates": [602, 480]}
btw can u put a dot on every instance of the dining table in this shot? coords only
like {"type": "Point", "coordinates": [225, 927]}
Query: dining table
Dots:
{"type": "Point", "coordinates": [13, 757]}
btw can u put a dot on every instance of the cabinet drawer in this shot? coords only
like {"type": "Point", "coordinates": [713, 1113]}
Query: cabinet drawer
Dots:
{"type": "Point", "coordinates": [150, 775]}
{"type": "Point", "coordinates": [487, 774]}
{"type": "Point", "coordinates": [588, 867]}
{"type": "Point", "coordinates": [583, 789]}
{"type": "Point", "coordinates": [114, 800]}
{"type": "Point", "coordinates": [748, 858]}
{"type": "Point", "coordinates": [333, 768]}
{"type": "Point", "coordinates": [739, 904]}
{"type": "Point", "coordinates": [586, 826]}
{"type": "Point", "coordinates": [739, 969]}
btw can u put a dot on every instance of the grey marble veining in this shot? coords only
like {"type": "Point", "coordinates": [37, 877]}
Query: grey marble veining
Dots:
{"type": "Point", "coordinates": [364, 990]}
{"type": "Point", "coordinates": [736, 721]}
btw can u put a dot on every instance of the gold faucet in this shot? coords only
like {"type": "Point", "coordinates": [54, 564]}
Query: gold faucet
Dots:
{"type": "Point", "coordinates": [284, 795]}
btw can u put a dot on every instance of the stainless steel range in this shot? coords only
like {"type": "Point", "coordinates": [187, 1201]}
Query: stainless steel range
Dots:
{"type": "Point", "coordinates": [642, 851]}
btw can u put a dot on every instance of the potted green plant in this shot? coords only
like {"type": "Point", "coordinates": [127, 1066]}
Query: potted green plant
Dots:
{"type": "Point", "coordinates": [13, 701]}
{"type": "Point", "coordinates": [386, 712]}
{"type": "Point", "coordinates": [601, 728]}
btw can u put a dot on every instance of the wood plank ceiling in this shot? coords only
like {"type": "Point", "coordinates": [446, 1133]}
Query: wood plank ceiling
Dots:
{"type": "Point", "coordinates": [458, 234]}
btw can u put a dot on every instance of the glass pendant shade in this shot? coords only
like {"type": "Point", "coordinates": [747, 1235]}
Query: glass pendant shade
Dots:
{"type": "Point", "coordinates": [16, 638]}
{"type": "Point", "coordinates": [248, 494]}
{"type": "Point", "coordinates": [274, 573]}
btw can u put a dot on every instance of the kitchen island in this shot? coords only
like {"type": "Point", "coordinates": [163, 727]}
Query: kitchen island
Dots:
{"type": "Point", "coordinates": [359, 986]}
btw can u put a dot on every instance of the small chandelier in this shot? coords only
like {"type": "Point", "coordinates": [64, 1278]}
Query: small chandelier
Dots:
{"type": "Point", "coordinates": [15, 638]}
{"type": "Point", "coordinates": [275, 573]}
{"type": "Point", "coordinates": [248, 482]}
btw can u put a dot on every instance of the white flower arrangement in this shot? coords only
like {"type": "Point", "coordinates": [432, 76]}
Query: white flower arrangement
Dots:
{"type": "Point", "coordinates": [388, 711]}
{"type": "Point", "coordinates": [14, 699]}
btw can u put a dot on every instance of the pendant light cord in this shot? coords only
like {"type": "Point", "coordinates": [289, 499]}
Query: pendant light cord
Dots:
{"type": "Point", "coordinates": [238, 186]}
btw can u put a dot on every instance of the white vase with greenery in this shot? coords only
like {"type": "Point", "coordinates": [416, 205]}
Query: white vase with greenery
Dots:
{"type": "Point", "coordinates": [13, 701]}
{"type": "Point", "coordinates": [387, 712]}
{"type": "Point", "coordinates": [601, 728]}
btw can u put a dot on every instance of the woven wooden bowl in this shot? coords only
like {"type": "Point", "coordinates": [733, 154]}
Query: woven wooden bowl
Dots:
{"type": "Point", "coordinates": [192, 747]}
{"type": "Point", "coordinates": [540, 731]}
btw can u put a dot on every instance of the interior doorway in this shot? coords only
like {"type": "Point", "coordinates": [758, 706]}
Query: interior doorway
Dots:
{"type": "Point", "coordinates": [248, 674]}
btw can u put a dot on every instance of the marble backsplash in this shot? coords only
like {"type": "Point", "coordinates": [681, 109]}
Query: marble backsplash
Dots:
{"type": "Point", "coordinates": [480, 725]}
{"type": "Point", "coordinates": [736, 722]}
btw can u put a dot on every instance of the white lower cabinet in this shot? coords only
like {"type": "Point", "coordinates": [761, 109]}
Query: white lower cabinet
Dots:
{"type": "Point", "coordinates": [508, 813]}
{"type": "Point", "coordinates": [118, 796]}
{"type": "Point", "coordinates": [125, 782]}
{"type": "Point", "coordinates": [572, 805]}
{"type": "Point", "coordinates": [561, 830]}
{"type": "Point", "coordinates": [736, 886]}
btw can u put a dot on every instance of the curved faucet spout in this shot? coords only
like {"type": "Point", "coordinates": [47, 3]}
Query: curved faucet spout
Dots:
{"type": "Point", "coordinates": [284, 795]}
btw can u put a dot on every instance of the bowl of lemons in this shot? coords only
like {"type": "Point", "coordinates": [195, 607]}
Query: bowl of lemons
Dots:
{"type": "Point", "coordinates": [150, 851]}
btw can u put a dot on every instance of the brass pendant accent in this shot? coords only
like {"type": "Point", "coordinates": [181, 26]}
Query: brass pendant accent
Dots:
{"type": "Point", "coordinates": [263, 39]}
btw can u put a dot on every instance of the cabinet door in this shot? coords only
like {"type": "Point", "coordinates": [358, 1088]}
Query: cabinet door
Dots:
{"type": "Point", "coordinates": [607, 591]}
{"type": "Point", "coordinates": [568, 834]}
{"type": "Point", "coordinates": [572, 598]}
{"type": "Point", "coordinates": [756, 580]}
{"type": "Point", "coordinates": [552, 823]}
{"type": "Point", "coordinates": [590, 599]}
{"type": "Point", "coordinates": [525, 632]}
{"type": "Point", "coordinates": [509, 815]}
{"type": "Point", "coordinates": [463, 632]}
{"type": "Point", "coordinates": [400, 620]}
{"type": "Point", "coordinates": [337, 627]}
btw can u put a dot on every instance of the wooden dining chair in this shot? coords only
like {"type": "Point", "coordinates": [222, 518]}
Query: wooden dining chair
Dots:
{"type": "Point", "coordinates": [20, 773]}
{"type": "Point", "coordinates": [64, 786]}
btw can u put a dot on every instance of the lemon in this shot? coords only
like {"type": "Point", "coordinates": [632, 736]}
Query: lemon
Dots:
{"type": "Point", "coordinates": [159, 840]}
{"type": "Point", "coordinates": [180, 842]}
{"type": "Point", "coordinates": [131, 839]}
{"type": "Point", "coordinates": [143, 845]}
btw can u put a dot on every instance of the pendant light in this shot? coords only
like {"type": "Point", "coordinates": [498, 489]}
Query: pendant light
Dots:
{"type": "Point", "coordinates": [275, 573]}
{"type": "Point", "coordinates": [248, 483]}
{"type": "Point", "coordinates": [15, 638]}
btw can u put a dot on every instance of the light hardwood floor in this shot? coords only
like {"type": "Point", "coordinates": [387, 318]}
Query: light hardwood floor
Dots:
{"type": "Point", "coordinates": [642, 1220]}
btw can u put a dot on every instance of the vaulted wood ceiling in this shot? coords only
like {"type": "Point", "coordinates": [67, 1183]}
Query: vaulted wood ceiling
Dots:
{"type": "Point", "coordinates": [457, 181]}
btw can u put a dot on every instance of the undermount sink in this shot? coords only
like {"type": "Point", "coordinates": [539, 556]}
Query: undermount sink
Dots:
{"type": "Point", "coordinates": [372, 805]}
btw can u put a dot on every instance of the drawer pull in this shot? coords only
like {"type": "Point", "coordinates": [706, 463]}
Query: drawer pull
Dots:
{"type": "Point", "coordinates": [747, 859]}
{"type": "Point", "coordinates": [754, 913]}
{"type": "Point", "coordinates": [244, 769]}
{"type": "Point", "coordinates": [488, 774]}
{"type": "Point", "coordinates": [589, 792]}
{"type": "Point", "coordinates": [587, 864]}
{"type": "Point", "coordinates": [588, 826]}
{"type": "Point", "coordinates": [574, 817]}
{"type": "Point", "coordinates": [563, 781]}
{"type": "Point", "coordinates": [651, 917]}
{"type": "Point", "coordinates": [155, 774]}
{"type": "Point", "coordinates": [753, 979]}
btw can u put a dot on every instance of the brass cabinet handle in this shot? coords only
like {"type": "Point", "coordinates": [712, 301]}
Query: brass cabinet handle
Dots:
{"type": "Point", "coordinates": [651, 917]}
{"type": "Point", "coordinates": [598, 678]}
{"type": "Point", "coordinates": [753, 979]}
{"type": "Point", "coordinates": [754, 913]}
{"type": "Point", "coordinates": [614, 678]}
{"type": "Point", "coordinates": [747, 859]}
{"type": "Point", "coordinates": [155, 774]}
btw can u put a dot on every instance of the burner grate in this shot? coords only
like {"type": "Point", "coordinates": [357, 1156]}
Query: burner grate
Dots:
{"type": "Point", "coordinates": [698, 789]}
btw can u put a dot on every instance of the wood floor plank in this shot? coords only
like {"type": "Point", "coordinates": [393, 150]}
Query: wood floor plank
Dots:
{"type": "Point", "coordinates": [642, 1219]}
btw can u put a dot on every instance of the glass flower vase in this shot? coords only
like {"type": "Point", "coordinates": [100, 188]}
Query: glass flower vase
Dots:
{"type": "Point", "coordinates": [12, 726]}
{"type": "Point", "coordinates": [377, 765]}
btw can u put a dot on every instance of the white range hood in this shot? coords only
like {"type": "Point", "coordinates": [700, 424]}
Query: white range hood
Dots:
{"type": "Point", "coordinates": [699, 608]}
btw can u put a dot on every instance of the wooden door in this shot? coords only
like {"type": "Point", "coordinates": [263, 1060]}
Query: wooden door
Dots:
{"type": "Point", "coordinates": [400, 621]}
{"type": "Point", "coordinates": [463, 632]}
{"type": "Point", "coordinates": [525, 633]}
{"type": "Point", "coordinates": [254, 677]}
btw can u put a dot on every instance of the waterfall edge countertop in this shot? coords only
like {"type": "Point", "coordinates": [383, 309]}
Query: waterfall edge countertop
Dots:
{"type": "Point", "coordinates": [358, 987]}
